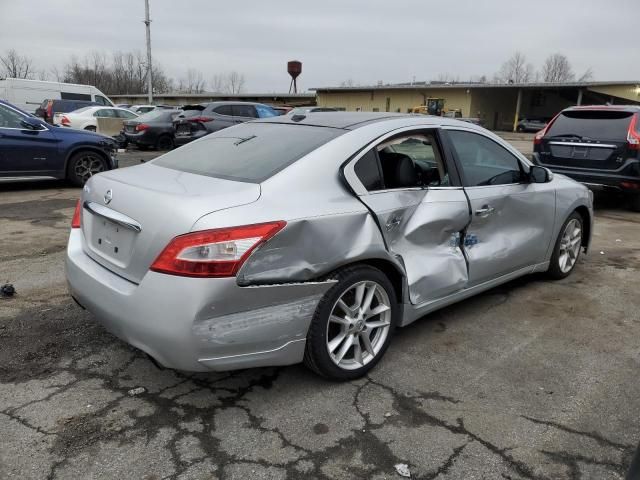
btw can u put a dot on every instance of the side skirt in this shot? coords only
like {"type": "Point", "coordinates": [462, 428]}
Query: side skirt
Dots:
{"type": "Point", "coordinates": [412, 313]}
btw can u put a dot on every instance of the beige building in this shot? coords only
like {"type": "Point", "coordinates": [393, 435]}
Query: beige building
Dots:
{"type": "Point", "coordinates": [498, 106]}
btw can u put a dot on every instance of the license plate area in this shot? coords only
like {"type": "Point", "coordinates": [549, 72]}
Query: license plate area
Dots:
{"type": "Point", "coordinates": [183, 130]}
{"type": "Point", "coordinates": [111, 240]}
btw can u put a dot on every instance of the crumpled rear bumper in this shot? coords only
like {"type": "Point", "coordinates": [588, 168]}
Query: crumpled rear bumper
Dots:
{"type": "Point", "coordinates": [196, 324]}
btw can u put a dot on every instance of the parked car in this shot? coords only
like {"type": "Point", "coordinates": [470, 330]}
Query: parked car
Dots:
{"type": "Point", "coordinates": [305, 110]}
{"type": "Point", "coordinates": [458, 115]}
{"type": "Point", "coordinates": [285, 240]}
{"type": "Point", "coordinates": [596, 145]}
{"type": "Point", "coordinates": [153, 129]}
{"type": "Point", "coordinates": [123, 105]}
{"type": "Point", "coordinates": [49, 108]}
{"type": "Point", "coordinates": [215, 116]}
{"type": "Point", "coordinates": [30, 149]}
{"type": "Point", "coordinates": [87, 118]}
{"type": "Point", "coordinates": [531, 125]}
{"type": "Point", "coordinates": [141, 109]}
{"type": "Point", "coordinates": [281, 109]}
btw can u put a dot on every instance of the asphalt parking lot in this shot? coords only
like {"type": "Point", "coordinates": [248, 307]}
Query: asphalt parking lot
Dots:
{"type": "Point", "coordinates": [532, 380]}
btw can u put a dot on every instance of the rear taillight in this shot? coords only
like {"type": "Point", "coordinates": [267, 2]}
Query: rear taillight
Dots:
{"type": "Point", "coordinates": [50, 109]}
{"type": "Point", "coordinates": [633, 136]}
{"type": "Point", "coordinates": [77, 215]}
{"type": "Point", "coordinates": [200, 119]}
{"type": "Point", "coordinates": [141, 127]}
{"type": "Point", "coordinates": [213, 253]}
{"type": "Point", "coordinates": [65, 121]}
{"type": "Point", "coordinates": [537, 140]}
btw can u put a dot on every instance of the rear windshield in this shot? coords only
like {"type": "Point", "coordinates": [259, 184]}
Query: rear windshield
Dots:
{"type": "Point", "coordinates": [154, 115]}
{"type": "Point", "coordinates": [592, 124]}
{"type": "Point", "coordinates": [250, 152]}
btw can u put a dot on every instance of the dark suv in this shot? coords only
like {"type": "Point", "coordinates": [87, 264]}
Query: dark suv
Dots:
{"type": "Point", "coordinates": [215, 116]}
{"type": "Point", "coordinates": [596, 145]}
{"type": "Point", "coordinates": [30, 149]}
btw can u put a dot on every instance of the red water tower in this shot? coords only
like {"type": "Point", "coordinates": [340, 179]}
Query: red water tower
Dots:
{"type": "Point", "coordinates": [294, 68]}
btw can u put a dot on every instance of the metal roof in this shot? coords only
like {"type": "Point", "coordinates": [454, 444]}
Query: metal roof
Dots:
{"type": "Point", "coordinates": [427, 85]}
{"type": "Point", "coordinates": [216, 95]}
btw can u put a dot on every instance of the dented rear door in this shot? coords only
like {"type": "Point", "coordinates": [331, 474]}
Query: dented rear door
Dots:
{"type": "Point", "coordinates": [423, 228]}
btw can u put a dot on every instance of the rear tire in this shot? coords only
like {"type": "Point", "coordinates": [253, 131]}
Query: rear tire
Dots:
{"type": "Point", "coordinates": [566, 251]}
{"type": "Point", "coordinates": [165, 142]}
{"type": "Point", "coordinates": [634, 203]}
{"type": "Point", "coordinates": [83, 165]}
{"type": "Point", "coordinates": [352, 325]}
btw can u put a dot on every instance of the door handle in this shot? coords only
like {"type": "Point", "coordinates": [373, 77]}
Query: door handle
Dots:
{"type": "Point", "coordinates": [485, 211]}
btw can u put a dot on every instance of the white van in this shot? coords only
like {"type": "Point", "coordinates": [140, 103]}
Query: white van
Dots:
{"type": "Point", "coordinates": [29, 94]}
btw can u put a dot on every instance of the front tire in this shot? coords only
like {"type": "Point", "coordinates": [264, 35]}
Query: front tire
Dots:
{"type": "Point", "coordinates": [83, 165]}
{"type": "Point", "coordinates": [352, 325]}
{"type": "Point", "coordinates": [567, 248]}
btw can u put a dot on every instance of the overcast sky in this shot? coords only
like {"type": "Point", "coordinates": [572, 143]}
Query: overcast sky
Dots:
{"type": "Point", "coordinates": [336, 40]}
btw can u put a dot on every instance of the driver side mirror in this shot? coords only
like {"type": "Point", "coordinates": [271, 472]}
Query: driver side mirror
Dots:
{"type": "Point", "coordinates": [539, 174]}
{"type": "Point", "coordinates": [30, 123]}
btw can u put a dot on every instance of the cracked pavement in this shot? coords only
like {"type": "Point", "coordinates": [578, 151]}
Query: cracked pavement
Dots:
{"type": "Point", "coordinates": [532, 380]}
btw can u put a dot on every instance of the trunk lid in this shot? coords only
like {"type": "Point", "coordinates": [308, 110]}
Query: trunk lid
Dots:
{"type": "Point", "coordinates": [587, 139]}
{"type": "Point", "coordinates": [148, 206]}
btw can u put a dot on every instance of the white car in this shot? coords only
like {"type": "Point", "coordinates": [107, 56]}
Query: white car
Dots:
{"type": "Point", "coordinates": [87, 118]}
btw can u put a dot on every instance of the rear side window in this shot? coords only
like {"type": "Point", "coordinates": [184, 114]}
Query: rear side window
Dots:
{"type": "Point", "coordinates": [74, 96]}
{"type": "Point", "coordinates": [248, 111]}
{"type": "Point", "coordinates": [591, 124]}
{"type": "Point", "coordinates": [368, 171]}
{"type": "Point", "coordinates": [224, 110]}
{"type": "Point", "coordinates": [249, 152]}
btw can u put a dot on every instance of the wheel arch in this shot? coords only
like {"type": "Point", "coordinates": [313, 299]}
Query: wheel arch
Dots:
{"type": "Point", "coordinates": [82, 148]}
{"type": "Point", "coordinates": [586, 224]}
{"type": "Point", "coordinates": [391, 270]}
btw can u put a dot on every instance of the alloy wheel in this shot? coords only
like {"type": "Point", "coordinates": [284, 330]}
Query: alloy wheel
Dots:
{"type": "Point", "coordinates": [88, 165]}
{"type": "Point", "coordinates": [358, 326]}
{"type": "Point", "coordinates": [570, 245]}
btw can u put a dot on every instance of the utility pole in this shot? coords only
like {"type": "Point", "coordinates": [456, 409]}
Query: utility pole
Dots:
{"type": "Point", "coordinates": [147, 23]}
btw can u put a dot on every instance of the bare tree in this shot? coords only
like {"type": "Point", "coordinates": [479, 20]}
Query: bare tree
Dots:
{"type": "Point", "coordinates": [235, 83]}
{"type": "Point", "coordinates": [193, 82]}
{"type": "Point", "coordinates": [217, 84]}
{"type": "Point", "coordinates": [515, 70]}
{"type": "Point", "coordinates": [556, 69]}
{"type": "Point", "coordinates": [15, 65]}
{"type": "Point", "coordinates": [586, 76]}
{"type": "Point", "coordinates": [347, 83]}
{"type": "Point", "coordinates": [447, 78]}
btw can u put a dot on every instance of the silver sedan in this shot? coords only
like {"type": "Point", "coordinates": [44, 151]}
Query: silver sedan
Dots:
{"type": "Point", "coordinates": [312, 237]}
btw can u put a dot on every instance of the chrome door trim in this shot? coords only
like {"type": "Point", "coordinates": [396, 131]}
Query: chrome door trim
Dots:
{"type": "Point", "coordinates": [26, 178]}
{"type": "Point", "coordinates": [113, 216]}
{"type": "Point", "coordinates": [581, 144]}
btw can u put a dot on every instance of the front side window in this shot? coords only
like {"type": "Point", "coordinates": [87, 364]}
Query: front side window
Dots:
{"type": "Point", "coordinates": [125, 114]}
{"type": "Point", "coordinates": [102, 101]}
{"type": "Point", "coordinates": [266, 112]}
{"type": "Point", "coordinates": [9, 118]}
{"type": "Point", "coordinates": [483, 161]}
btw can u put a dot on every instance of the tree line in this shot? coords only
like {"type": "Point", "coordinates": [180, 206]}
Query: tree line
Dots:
{"type": "Point", "coordinates": [119, 73]}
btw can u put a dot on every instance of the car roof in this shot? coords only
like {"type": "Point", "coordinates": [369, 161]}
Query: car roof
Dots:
{"type": "Point", "coordinates": [343, 120]}
{"type": "Point", "coordinates": [612, 108]}
{"type": "Point", "coordinates": [230, 102]}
